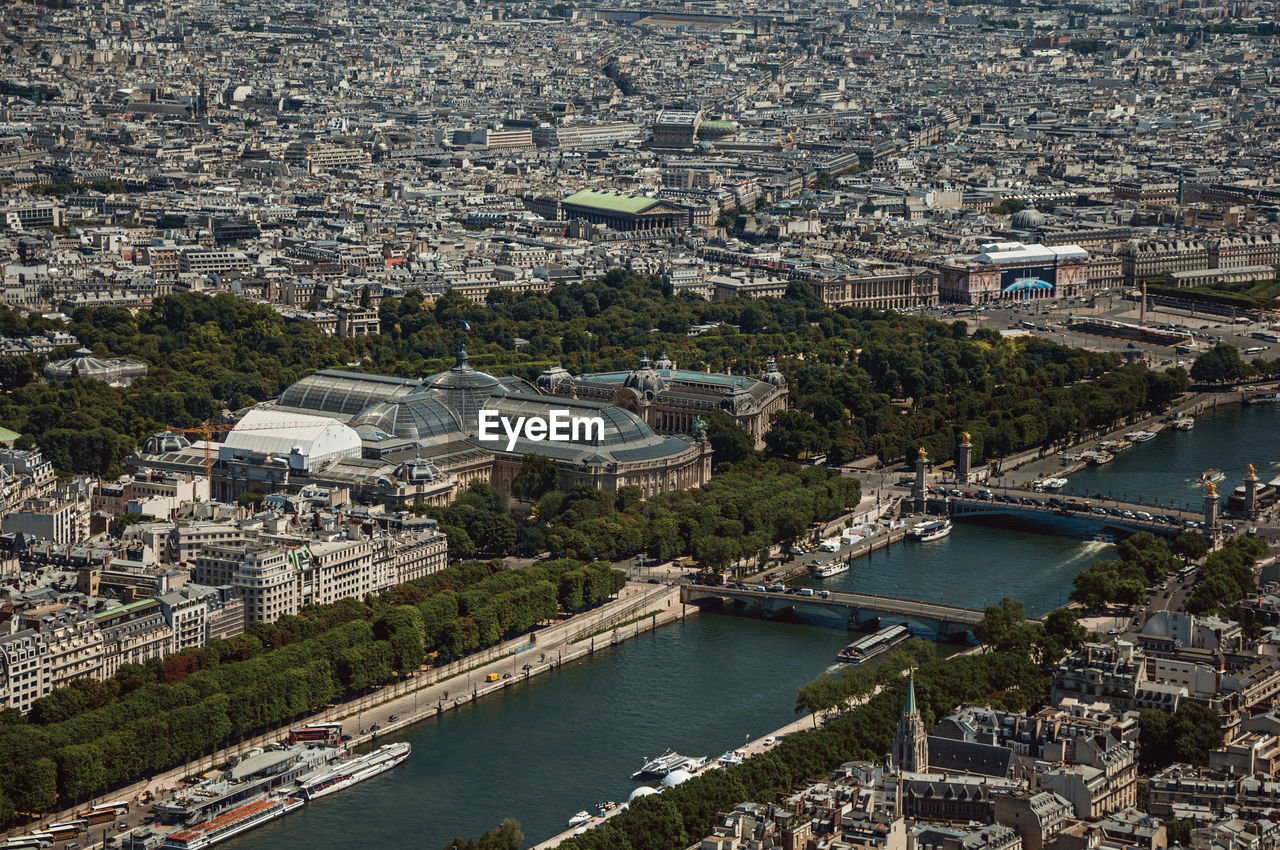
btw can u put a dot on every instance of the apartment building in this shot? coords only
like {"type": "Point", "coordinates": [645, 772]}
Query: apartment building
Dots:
{"type": "Point", "coordinates": [24, 667]}
{"type": "Point", "coordinates": [205, 261]}
{"type": "Point", "coordinates": [1103, 780]}
{"type": "Point", "coordinates": [357, 322]}
{"type": "Point", "coordinates": [1142, 260]}
{"type": "Point", "coordinates": [59, 519]}
{"type": "Point", "coordinates": [27, 475]}
{"type": "Point", "coordinates": [185, 539]}
{"type": "Point", "coordinates": [163, 260]}
{"type": "Point", "coordinates": [318, 158]}
{"type": "Point", "coordinates": [74, 644]}
{"type": "Point", "coordinates": [132, 633]}
{"type": "Point", "coordinates": [408, 556]}
{"type": "Point", "coordinates": [29, 215]}
{"type": "Point", "coordinates": [585, 135]}
{"type": "Point", "coordinates": [266, 580]}
{"type": "Point", "coordinates": [185, 611]}
{"type": "Point", "coordinates": [1251, 249]}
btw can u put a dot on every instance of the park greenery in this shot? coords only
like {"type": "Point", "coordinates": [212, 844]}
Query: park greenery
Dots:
{"type": "Point", "coordinates": [862, 382]}
{"type": "Point", "coordinates": [94, 735]}
{"type": "Point", "coordinates": [1226, 577]}
{"type": "Point", "coordinates": [1005, 628]}
{"type": "Point", "coordinates": [739, 514]}
{"type": "Point", "coordinates": [1186, 736]}
{"type": "Point", "coordinates": [505, 836]}
{"type": "Point", "coordinates": [1223, 364]}
{"type": "Point", "coordinates": [1142, 560]}
{"type": "Point", "coordinates": [1247, 295]}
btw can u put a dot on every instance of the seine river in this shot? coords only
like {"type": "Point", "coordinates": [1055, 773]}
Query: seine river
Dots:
{"type": "Point", "coordinates": [546, 748]}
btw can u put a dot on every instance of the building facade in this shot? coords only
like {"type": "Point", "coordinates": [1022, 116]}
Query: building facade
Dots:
{"type": "Point", "coordinates": [672, 401]}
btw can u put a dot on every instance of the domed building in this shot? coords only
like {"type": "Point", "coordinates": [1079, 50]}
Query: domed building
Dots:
{"type": "Point", "coordinates": [671, 400]}
{"type": "Point", "coordinates": [415, 417]}
{"type": "Point", "coordinates": [463, 388]}
{"type": "Point", "coordinates": [716, 129]}
{"type": "Point", "coordinates": [645, 380]}
{"type": "Point", "coordinates": [427, 440]}
{"type": "Point", "coordinates": [119, 372]}
{"type": "Point", "coordinates": [1028, 219]}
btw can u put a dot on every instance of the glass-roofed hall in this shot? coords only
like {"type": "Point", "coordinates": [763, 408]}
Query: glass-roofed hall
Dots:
{"type": "Point", "coordinates": [426, 440]}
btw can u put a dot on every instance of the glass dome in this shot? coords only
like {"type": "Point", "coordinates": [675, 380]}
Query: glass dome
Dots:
{"type": "Point", "coordinates": [344, 393]}
{"type": "Point", "coordinates": [463, 388]}
{"type": "Point", "coordinates": [412, 417]}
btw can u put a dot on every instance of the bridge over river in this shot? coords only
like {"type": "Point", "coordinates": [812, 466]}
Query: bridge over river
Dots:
{"type": "Point", "coordinates": [856, 610]}
{"type": "Point", "coordinates": [1074, 516]}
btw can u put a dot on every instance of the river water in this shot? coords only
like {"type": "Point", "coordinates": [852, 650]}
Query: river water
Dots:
{"type": "Point", "coordinates": [1166, 469]}
{"type": "Point", "coordinates": [545, 748]}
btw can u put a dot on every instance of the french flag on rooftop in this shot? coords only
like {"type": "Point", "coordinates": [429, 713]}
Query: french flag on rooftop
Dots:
{"type": "Point", "coordinates": [466, 326]}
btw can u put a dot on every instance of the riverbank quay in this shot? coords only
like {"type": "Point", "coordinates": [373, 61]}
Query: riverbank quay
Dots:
{"type": "Point", "coordinates": [1030, 466]}
{"type": "Point", "coordinates": [764, 743]}
{"type": "Point", "coordinates": [868, 515]}
{"type": "Point", "coordinates": [646, 609]}
{"type": "Point", "coordinates": [637, 609]}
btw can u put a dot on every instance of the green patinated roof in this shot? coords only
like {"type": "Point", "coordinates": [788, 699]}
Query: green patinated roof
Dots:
{"type": "Point", "coordinates": [610, 201]}
{"type": "Point", "coordinates": [910, 707]}
{"type": "Point", "coordinates": [128, 606]}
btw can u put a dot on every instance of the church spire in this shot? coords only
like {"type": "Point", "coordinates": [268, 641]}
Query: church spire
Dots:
{"type": "Point", "coordinates": [910, 741]}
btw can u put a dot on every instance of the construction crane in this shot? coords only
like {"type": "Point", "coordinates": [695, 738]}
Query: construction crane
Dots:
{"type": "Point", "coordinates": [207, 430]}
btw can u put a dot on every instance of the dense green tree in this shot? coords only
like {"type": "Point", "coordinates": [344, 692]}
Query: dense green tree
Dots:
{"type": "Point", "coordinates": [37, 792]}
{"type": "Point", "coordinates": [1190, 546]}
{"type": "Point", "coordinates": [1062, 625]}
{"type": "Point", "coordinates": [1219, 365]}
{"type": "Point", "coordinates": [1187, 735]}
{"type": "Point", "coordinates": [537, 476]}
{"type": "Point", "coordinates": [729, 442]}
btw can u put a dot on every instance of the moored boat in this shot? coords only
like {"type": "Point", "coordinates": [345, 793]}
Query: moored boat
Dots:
{"type": "Point", "coordinates": [835, 568]}
{"type": "Point", "coordinates": [1184, 423]}
{"type": "Point", "coordinates": [1141, 436]}
{"type": "Point", "coordinates": [926, 531]}
{"type": "Point", "coordinates": [666, 763]}
{"type": "Point", "coordinates": [580, 818]}
{"type": "Point", "coordinates": [348, 772]}
{"type": "Point", "coordinates": [231, 823]}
